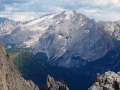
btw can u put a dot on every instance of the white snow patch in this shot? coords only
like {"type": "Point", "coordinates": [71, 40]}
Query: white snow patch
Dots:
{"type": "Point", "coordinates": [110, 77]}
{"type": "Point", "coordinates": [63, 49]}
{"type": "Point", "coordinates": [106, 72]}
{"type": "Point", "coordinates": [67, 32]}
{"type": "Point", "coordinates": [32, 41]}
{"type": "Point", "coordinates": [41, 28]}
{"type": "Point", "coordinates": [4, 32]}
{"type": "Point", "coordinates": [57, 22]}
{"type": "Point", "coordinates": [9, 46]}
{"type": "Point", "coordinates": [87, 31]}
{"type": "Point", "coordinates": [60, 37]}
{"type": "Point", "coordinates": [36, 28]}
{"type": "Point", "coordinates": [47, 20]}
{"type": "Point", "coordinates": [68, 15]}
{"type": "Point", "coordinates": [36, 21]}
{"type": "Point", "coordinates": [82, 25]}
{"type": "Point", "coordinates": [80, 19]}
{"type": "Point", "coordinates": [61, 18]}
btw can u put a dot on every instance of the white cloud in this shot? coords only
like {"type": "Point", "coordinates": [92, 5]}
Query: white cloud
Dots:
{"type": "Point", "coordinates": [10, 9]}
{"type": "Point", "coordinates": [108, 17]}
{"type": "Point", "coordinates": [21, 16]}
{"type": "Point", "coordinates": [97, 9]}
{"type": "Point", "coordinates": [59, 9]}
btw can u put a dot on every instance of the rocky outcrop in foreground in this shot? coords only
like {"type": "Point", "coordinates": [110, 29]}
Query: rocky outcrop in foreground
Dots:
{"type": "Point", "coordinates": [10, 79]}
{"type": "Point", "coordinates": [107, 81]}
{"type": "Point", "coordinates": [55, 85]}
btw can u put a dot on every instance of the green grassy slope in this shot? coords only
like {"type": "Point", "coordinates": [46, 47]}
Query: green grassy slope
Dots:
{"type": "Point", "coordinates": [32, 67]}
{"type": "Point", "coordinates": [12, 52]}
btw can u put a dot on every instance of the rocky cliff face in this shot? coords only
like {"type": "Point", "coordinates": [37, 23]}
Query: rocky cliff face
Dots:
{"type": "Point", "coordinates": [107, 81]}
{"type": "Point", "coordinates": [55, 85]}
{"type": "Point", "coordinates": [73, 41]}
{"type": "Point", "coordinates": [7, 26]}
{"type": "Point", "coordinates": [10, 79]}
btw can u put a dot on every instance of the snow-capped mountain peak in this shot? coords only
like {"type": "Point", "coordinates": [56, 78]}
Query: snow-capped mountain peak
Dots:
{"type": "Point", "coordinates": [67, 38]}
{"type": "Point", "coordinates": [46, 20]}
{"type": "Point", "coordinates": [7, 26]}
{"type": "Point", "coordinates": [69, 14]}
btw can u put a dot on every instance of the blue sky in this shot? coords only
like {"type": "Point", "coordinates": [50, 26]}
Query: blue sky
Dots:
{"type": "Point", "coordinates": [28, 9]}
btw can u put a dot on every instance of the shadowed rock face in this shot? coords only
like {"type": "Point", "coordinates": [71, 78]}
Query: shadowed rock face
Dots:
{"type": "Point", "coordinates": [55, 85]}
{"type": "Point", "coordinates": [107, 81]}
{"type": "Point", "coordinates": [10, 79]}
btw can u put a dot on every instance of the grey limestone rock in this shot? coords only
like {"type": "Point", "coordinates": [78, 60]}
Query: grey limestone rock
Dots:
{"type": "Point", "coordinates": [107, 81]}
{"type": "Point", "coordinates": [55, 85]}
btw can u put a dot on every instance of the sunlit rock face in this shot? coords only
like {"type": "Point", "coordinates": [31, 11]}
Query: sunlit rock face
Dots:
{"type": "Point", "coordinates": [10, 79]}
{"type": "Point", "coordinates": [107, 81]}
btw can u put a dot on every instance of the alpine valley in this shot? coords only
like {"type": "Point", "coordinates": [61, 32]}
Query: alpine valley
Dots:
{"type": "Point", "coordinates": [66, 43]}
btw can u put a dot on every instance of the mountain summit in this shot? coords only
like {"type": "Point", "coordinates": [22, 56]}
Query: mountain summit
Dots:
{"type": "Point", "coordinates": [67, 39]}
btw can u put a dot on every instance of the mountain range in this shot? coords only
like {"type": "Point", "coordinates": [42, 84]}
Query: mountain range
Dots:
{"type": "Point", "coordinates": [67, 39]}
{"type": "Point", "coordinates": [66, 45]}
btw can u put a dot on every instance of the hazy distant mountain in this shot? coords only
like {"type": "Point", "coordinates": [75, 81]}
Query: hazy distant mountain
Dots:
{"type": "Point", "coordinates": [7, 26]}
{"type": "Point", "coordinates": [2, 19]}
{"type": "Point", "coordinates": [68, 39]}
